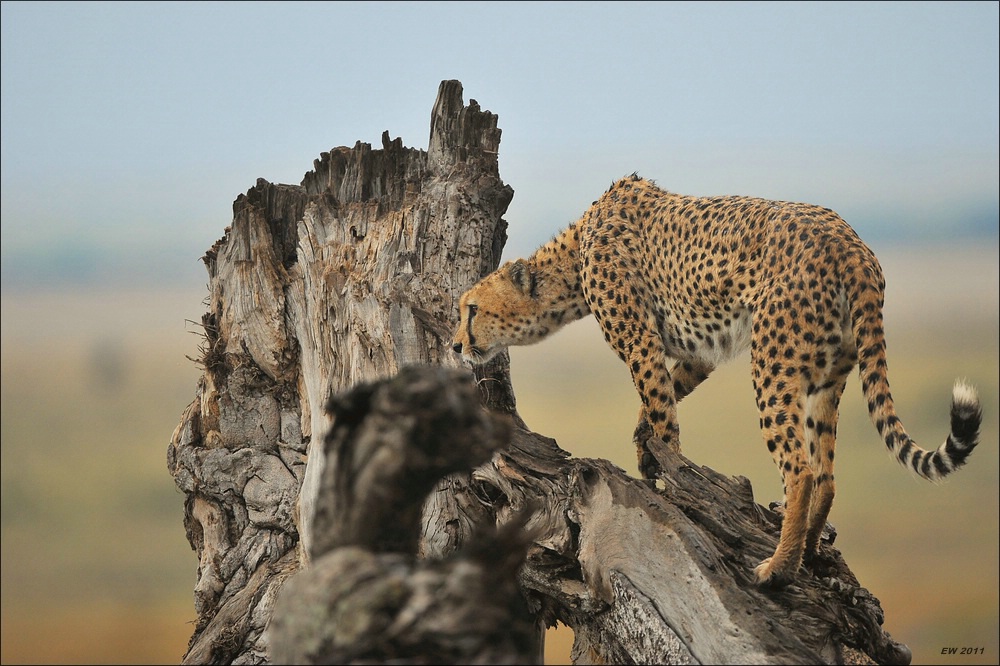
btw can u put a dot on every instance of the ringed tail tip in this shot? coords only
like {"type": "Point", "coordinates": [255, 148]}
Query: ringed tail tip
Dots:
{"type": "Point", "coordinates": [966, 417]}
{"type": "Point", "coordinates": [964, 394]}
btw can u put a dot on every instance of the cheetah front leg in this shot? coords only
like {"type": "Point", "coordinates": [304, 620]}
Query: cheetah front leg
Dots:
{"type": "Point", "coordinates": [685, 376]}
{"type": "Point", "coordinates": [646, 358]}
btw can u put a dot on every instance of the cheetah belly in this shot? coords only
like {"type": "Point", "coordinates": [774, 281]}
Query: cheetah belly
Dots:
{"type": "Point", "coordinates": [710, 340]}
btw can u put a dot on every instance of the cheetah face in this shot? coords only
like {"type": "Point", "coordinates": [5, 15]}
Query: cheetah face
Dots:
{"type": "Point", "coordinates": [500, 311]}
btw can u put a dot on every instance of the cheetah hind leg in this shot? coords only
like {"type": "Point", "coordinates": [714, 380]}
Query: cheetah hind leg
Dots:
{"type": "Point", "coordinates": [821, 434]}
{"type": "Point", "coordinates": [780, 569]}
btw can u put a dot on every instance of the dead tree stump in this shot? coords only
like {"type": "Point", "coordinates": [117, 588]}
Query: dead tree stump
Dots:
{"type": "Point", "coordinates": [367, 597]}
{"type": "Point", "coordinates": [352, 277]}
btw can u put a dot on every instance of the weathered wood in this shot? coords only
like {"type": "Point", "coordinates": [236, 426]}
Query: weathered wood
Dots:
{"type": "Point", "coordinates": [367, 598]}
{"type": "Point", "coordinates": [346, 280]}
{"type": "Point", "coordinates": [666, 576]}
{"type": "Point", "coordinates": [316, 287]}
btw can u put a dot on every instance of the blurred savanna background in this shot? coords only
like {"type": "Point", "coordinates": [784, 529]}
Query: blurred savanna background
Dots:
{"type": "Point", "coordinates": [129, 128]}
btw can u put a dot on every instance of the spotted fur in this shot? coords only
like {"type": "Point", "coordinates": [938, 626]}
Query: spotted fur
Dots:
{"type": "Point", "coordinates": [699, 280]}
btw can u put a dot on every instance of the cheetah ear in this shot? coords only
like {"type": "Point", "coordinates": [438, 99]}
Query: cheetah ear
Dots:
{"type": "Point", "coordinates": [522, 277]}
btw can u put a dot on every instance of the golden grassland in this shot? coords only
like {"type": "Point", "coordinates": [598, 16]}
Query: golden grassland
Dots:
{"type": "Point", "coordinates": [96, 567]}
{"type": "Point", "coordinates": [95, 564]}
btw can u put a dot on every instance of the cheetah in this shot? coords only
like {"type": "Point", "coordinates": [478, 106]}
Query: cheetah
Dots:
{"type": "Point", "coordinates": [698, 280]}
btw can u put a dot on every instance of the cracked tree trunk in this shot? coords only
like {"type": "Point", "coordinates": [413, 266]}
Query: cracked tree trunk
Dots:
{"type": "Point", "coordinates": [344, 282]}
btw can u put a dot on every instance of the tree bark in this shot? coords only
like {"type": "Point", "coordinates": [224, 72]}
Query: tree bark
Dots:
{"type": "Point", "coordinates": [314, 288]}
{"type": "Point", "coordinates": [367, 597]}
{"type": "Point", "coordinates": [344, 282]}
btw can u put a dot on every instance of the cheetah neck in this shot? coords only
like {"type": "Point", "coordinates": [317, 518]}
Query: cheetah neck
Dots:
{"type": "Point", "coordinates": [556, 266]}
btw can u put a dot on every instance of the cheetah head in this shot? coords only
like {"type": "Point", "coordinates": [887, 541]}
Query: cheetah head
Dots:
{"type": "Point", "coordinates": [501, 310]}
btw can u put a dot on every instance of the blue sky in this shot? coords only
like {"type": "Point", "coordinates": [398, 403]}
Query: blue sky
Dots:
{"type": "Point", "coordinates": [129, 128]}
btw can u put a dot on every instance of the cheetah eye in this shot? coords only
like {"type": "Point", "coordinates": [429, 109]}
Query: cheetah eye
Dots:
{"type": "Point", "coordinates": [473, 309]}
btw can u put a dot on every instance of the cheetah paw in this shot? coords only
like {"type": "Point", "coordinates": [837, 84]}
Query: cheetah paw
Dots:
{"type": "Point", "coordinates": [768, 574]}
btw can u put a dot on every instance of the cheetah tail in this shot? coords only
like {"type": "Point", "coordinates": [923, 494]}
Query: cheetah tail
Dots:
{"type": "Point", "coordinates": [966, 410]}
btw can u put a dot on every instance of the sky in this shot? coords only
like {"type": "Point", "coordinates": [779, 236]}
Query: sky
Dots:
{"type": "Point", "coordinates": [128, 129]}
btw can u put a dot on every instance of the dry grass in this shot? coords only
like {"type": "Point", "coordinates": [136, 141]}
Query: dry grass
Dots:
{"type": "Point", "coordinates": [95, 565]}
